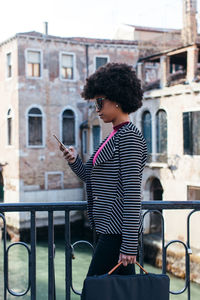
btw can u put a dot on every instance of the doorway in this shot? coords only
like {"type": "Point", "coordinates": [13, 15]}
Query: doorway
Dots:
{"type": "Point", "coordinates": [156, 192]}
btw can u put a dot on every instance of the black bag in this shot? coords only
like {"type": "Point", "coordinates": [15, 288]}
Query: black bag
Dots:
{"type": "Point", "coordinates": [126, 287]}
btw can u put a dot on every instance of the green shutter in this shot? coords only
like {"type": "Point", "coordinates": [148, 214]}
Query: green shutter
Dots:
{"type": "Point", "coordinates": [187, 133]}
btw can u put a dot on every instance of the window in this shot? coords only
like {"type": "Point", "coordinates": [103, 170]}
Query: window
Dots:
{"type": "Point", "coordinates": [100, 61]}
{"type": "Point", "coordinates": [54, 180]}
{"type": "Point", "coordinates": [190, 5]}
{"type": "Point", "coordinates": [161, 134]}
{"type": "Point", "coordinates": [96, 136]}
{"type": "Point", "coordinates": [67, 66]}
{"type": "Point", "coordinates": [147, 129]}
{"type": "Point", "coordinates": [191, 132]}
{"type": "Point", "coordinates": [35, 130]}
{"type": "Point", "coordinates": [84, 141]}
{"type": "Point", "coordinates": [9, 127]}
{"type": "Point", "coordinates": [33, 63]}
{"type": "Point", "coordinates": [193, 192]}
{"type": "Point", "coordinates": [9, 65]}
{"type": "Point", "coordinates": [68, 127]}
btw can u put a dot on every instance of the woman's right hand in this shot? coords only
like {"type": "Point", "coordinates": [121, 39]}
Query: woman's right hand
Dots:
{"type": "Point", "coordinates": [70, 154]}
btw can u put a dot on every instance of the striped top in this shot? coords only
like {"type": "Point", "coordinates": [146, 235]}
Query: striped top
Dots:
{"type": "Point", "coordinates": [113, 186]}
{"type": "Point", "coordinates": [115, 128]}
{"type": "Point", "coordinates": [100, 148]}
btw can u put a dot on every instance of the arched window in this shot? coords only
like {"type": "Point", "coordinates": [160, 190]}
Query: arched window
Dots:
{"type": "Point", "coordinates": [35, 128]}
{"type": "Point", "coordinates": [147, 129]}
{"type": "Point", "coordinates": [161, 132]}
{"type": "Point", "coordinates": [68, 127]}
{"type": "Point", "coordinates": [9, 127]}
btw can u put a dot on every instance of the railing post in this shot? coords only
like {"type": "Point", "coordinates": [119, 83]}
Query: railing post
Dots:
{"type": "Point", "coordinates": [33, 257]}
{"type": "Point", "coordinates": [5, 265]}
{"type": "Point", "coordinates": [68, 256]}
{"type": "Point", "coordinates": [51, 275]}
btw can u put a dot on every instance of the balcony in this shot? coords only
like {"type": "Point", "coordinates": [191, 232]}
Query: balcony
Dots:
{"type": "Point", "coordinates": [157, 160]}
{"type": "Point", "coordinates": [67, 207]}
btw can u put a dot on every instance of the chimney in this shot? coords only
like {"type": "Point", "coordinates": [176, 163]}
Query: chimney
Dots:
{"type": "Point", "coordinates": [189, 30]}
{"type": "Point", "coordinates": [46, 28]}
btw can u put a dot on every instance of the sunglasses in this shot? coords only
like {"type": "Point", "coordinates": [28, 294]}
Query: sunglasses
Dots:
{"type": "Point", "coordinates": [99, 103]}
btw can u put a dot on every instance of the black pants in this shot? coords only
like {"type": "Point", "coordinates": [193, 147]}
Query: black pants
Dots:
{"type": "Point", "coordinates": [106, 255]}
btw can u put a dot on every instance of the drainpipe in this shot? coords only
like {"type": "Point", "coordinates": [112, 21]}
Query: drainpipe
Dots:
{"type": "Point", "coordinates": [87, 60]}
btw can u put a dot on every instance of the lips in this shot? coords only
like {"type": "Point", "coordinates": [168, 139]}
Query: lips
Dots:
{"type": "Point", "coordinates": [100, 115]}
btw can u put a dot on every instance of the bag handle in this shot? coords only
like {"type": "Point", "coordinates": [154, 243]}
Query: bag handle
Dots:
{"type": "Point", "coordinates": [119, 264]}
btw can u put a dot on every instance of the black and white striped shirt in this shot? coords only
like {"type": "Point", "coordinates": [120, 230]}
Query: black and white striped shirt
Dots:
{"type": "Point", "coordinates": [114, 186]}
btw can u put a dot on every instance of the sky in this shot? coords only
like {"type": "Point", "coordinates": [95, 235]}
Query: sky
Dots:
{"type": "Point", "coordinates": [87, 18]}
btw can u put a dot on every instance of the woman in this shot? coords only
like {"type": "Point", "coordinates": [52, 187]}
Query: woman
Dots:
{"type": "Point", "coordinates": [113, 173]}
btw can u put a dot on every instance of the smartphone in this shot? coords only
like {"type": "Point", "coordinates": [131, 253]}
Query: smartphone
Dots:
{"type": "Point", "coordinates": [61, 144]}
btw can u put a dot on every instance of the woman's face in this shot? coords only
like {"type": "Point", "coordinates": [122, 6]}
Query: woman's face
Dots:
{"type": "Point", "coordinates": [106, 109]}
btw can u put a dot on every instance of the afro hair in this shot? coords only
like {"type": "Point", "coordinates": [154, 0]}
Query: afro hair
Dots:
{"type": "Point", "coordinates": [118, 83]}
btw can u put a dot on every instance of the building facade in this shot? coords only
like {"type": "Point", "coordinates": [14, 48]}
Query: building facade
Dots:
{"type": "Point", "coordinates": [170, 122]}
{"type": "Point", "coordinates": [41, 79]}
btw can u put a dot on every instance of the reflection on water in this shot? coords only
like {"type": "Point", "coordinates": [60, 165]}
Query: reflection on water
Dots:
{"type": "Point", "coordinates": [18, 272]}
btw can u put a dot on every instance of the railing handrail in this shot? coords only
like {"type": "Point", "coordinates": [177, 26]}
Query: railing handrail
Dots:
{"type": "Point", "coordinates": [66, 207]}
{"type": "Point", "coordinates": [81, 205]}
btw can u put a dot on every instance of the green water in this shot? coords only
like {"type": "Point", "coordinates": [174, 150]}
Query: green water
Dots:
{"type": "Point", "coordinates": [18, 272]}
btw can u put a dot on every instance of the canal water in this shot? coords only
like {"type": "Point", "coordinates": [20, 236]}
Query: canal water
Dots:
{"type": "Point", "coordinates": [18, 272]}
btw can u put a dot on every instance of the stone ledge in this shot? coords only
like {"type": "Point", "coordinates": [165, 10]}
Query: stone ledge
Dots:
{"type": "Point", "coordinates": [175, 257]}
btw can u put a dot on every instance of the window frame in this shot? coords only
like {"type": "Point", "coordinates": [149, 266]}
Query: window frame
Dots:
{"type": "Point", "coordinates": [99, 126]}
{"type": "Point", "coordinates": [41, 63]}
{"type": "Point", "coordinates": [74, 66]}
{"type": "Point", "coordinates": [68, 107]}
{"type": "Point", "coordinates": [101, 56]}
{"type": "Point", "coordinates": [84, 141]}
{"type": "Point", "coordinates": [145, 111]}
{"type": "Point", "coordinates": [191, 111]}
{"type": "Point", "coordinates": [7, 67]}
{"type": "Point", "coordinates": [43, 127]}
{"type": "Point", "coordinates": [53, 173]}
{"type": "Point", "coordinates": [160, 110]}
{"type": "Point", "coordinates": [191, 185]}
{"type": "Point", "coordinates": [11, 137]}
{"type": "Point", "coordinates": [153, 157]}
{"type": "Point", "coordinates": [90, 137]}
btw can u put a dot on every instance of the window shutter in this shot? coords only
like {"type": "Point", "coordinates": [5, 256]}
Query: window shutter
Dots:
{"type": "Point", "coordinates": [100, 61]}
{"type": "Point", "coordinates": [187, 142]}
{"type": "Point", "coordinates": [147, 130]}
{"type": "Point", "coordinates": [195, 119]}
{"type": "Point", "coordinates": [67, 61]}
{"type": "Point", "coordinates": [9, 59]}
{"type": "Point", "coordinates": [161, 132]}
{"type": "Point", "coordinates": [96, 136]}
{"type": "Point", "coordinates": [34, 57]}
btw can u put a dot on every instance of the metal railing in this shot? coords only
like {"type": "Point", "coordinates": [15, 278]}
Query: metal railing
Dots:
{"type": "Point", "coordinates": [67, 207]}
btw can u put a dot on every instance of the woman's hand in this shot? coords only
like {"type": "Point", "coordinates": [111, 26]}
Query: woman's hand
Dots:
{"type": "Point", "coordinates": [127, 259]}
{"type": "Point", "coordinates": [70, 154]}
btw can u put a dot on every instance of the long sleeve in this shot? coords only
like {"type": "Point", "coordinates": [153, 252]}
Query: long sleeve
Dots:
{"type": "Point", "coordinates": [131, 148]}
{"type": "Point", "coordinates": [79, 168]}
